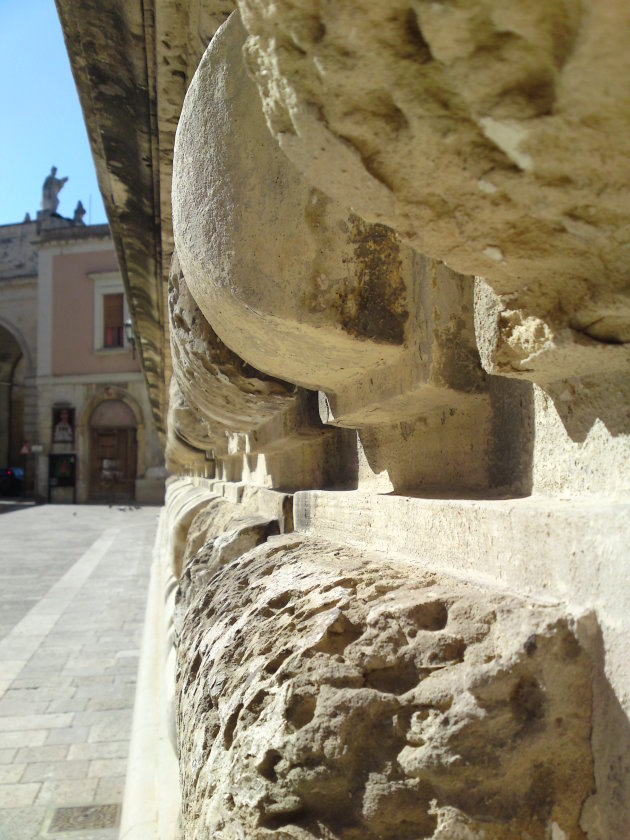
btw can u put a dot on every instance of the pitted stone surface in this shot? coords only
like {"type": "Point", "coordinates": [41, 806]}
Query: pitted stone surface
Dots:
{"type": "Point", "coordinates": [326, 692]}
{"type": "Point", "coordinates": [488, 135]}
{"type": "Point", "coordinates": [219, 533]}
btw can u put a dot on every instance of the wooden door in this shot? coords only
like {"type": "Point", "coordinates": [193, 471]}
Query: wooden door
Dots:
{"type": "Point", "coordinates": [112, 465]}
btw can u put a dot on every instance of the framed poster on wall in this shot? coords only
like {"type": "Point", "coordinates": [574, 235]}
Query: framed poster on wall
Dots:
{"type": "Point", "coordinates": [63, 424]}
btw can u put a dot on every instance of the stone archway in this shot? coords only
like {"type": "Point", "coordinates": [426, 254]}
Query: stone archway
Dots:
{"type": "Point", "coordinates": [12, 371]}
{"type": "Point", "coordinates": [110, 445]}
{"type": "Point", "coordinates": [112, 453]}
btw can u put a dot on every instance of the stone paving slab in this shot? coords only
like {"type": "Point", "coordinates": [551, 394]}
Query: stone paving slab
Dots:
{"type": "Point", "coordinates": [73, 585]}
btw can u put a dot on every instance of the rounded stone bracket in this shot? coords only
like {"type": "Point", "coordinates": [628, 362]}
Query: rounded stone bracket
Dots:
{"type": "Point", "coordinates": [488, 136]}
{"type": "Point", "coordinates": [297, 284]}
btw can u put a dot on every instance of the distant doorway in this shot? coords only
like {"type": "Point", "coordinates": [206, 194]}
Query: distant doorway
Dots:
{"type": "Point", "coordinates": [113, 453]}
{"type": "Point", "coordinates": [12, 367]}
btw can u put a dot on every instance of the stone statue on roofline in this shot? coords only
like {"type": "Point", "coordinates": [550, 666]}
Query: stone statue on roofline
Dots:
{"type": "Point", "coordinates": [50, 190]}
{"type": "Point", "coordinates": [79, 213]}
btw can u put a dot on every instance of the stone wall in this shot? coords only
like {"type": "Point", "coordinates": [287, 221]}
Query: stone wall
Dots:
{"type": "Point", "coordinates": [325, 691]}
{"type": "Point", "coordinates": [398, 321]}
{"type": "Point", "coordinates": [18, 254]}
{"type": "Point", "coordinates": [363, 674]}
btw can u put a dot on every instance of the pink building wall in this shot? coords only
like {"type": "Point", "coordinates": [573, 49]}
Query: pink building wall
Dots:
{"type": "Point", "coordinates": [73, 317]}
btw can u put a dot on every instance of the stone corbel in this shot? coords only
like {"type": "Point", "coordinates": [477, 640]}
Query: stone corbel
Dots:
{"type": "Point", "coordinates": [489, 137]}
{"type": "Point", "coordinates": [297, 284]}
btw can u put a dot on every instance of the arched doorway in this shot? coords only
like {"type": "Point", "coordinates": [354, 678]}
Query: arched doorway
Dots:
{"type": "Point", "coordinates": [113, 452]}
{"type": "Point", "coordinates": [12, 367]}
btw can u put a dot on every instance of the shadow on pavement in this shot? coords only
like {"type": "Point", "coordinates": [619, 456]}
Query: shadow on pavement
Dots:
{"type": "Point", "coordinates": [9, 505]}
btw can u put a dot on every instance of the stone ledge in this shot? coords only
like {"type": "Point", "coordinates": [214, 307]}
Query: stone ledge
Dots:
{"type": "Point", "coordinates": [488, 540]}
{"type": "Point", "coordinates": [571, 551]}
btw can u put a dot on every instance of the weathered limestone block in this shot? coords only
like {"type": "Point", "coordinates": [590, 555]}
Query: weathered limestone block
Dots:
{"type": "Point", "coordinates": [219, 533]}
{"type": "Point", "coordinates": [188, 434]}
{"type": "Point", "coordinates": [581, 440]}
{"type": "Point", "coordinates": [183, 31]}
{"type": "Point", "coordinates": [328, 692]}
{"type": "Point", "coordinates": [218, 523]}
{"type": "Point", "coordinates": [516, 343]}
{"type": "Point", "coordinates": [490, 135]}
{"type": "Point", "coordinates": [212, 517]}
{"type": "Point", "coordinates": [297, 284]}
{"type": "Point", "coordinates": [228, 408]}
{"type": "Point", "coordinates": [440, 368]}
{"type": "Point", "coordinates": [225, 390]}
{"type": "Point", "coordinates": [444, 452]}
{"type": "Point", "coordinates": [182, 502]}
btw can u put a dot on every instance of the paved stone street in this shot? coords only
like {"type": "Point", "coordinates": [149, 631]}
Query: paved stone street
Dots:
{"type": "Point", "coordinates": [73, 587]}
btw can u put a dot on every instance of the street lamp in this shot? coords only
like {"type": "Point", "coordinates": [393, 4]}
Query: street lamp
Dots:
{"type": "Point", "coordinates": [131, 339]}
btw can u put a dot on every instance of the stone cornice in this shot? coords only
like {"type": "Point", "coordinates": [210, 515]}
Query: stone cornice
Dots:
{"type": "Point", "coordinates": [111, 54]}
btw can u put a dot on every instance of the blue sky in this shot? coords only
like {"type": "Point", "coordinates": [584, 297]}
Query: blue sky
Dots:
{"type": "Point", "coordinates": [40, 115]}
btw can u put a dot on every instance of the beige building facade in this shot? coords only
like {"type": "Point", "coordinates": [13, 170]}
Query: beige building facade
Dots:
{"type": "Point", "coordinates": [75, 412]}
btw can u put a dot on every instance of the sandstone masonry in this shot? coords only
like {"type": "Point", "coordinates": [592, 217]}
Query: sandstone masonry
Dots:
{"type": "Point", "coordinates": [380, 276]}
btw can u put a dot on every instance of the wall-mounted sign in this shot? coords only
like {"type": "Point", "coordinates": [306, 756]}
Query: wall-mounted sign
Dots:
{"type": "Point", "coordinates": [63, 424]}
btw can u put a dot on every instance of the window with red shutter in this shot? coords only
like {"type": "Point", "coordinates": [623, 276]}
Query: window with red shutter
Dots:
{"type": "Point", "coordinates": [113, 321]}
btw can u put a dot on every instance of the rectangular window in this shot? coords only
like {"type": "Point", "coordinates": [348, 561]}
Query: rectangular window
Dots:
{"type": "Point", "coordinates": [113, 321]}
{"type": "Point", "coordinates": [110, 313]}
